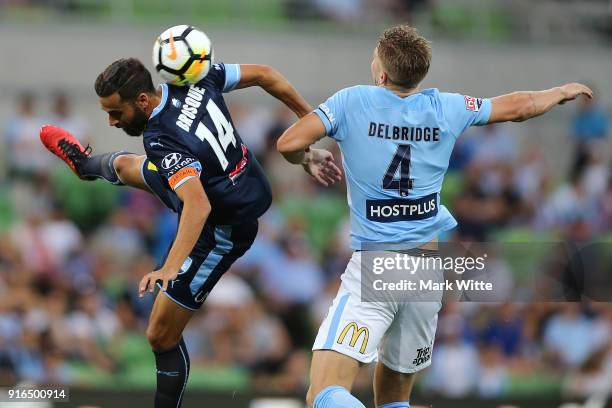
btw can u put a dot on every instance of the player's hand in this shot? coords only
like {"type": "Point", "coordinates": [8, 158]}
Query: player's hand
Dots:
{"type": "Point", "coordinates": [147, 283]}
{"type": "Point", "coordinates": [574, 90]}
{"type": "Point", "coordinates": [319, 163]}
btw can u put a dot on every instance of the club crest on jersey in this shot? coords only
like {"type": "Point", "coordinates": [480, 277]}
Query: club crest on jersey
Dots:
{"type": "Point", "coordinates": [171, 160]}
{"type": "Point", "coordinates": [472, 104]}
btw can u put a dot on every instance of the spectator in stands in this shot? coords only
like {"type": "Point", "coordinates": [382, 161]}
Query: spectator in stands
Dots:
{"type": "Point", "coordinates": [485, 203]}
{"type": "Point", "coordinates": [605, 203]}
{"type": "Point", "coordinates": [589, 126]}
{"type": "Point", "coordinates": [494, 145]}
{"type": "Point", "coordinates": [504, 330]}
{"type": "Point", "coordinates": [23, 155]}
{"type": "Point", "coordinates": [571, 337]}
{"type": "Point", "coordinates": [455, 369]}
{"type": "Point", "coordinates": [493, 373]}
{"type": "Point", "coordinates": [566, 206]}
{"type": "Point", "coordinates": [532, 178]}
{"type": "Point", "coordinates": [63, 116]}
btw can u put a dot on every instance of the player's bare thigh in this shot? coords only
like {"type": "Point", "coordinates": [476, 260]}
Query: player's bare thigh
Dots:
{"type": "Point", "coordinates": [128, 168]}
{"type": "Point", "coordinates": [328, 368]}
{"type": "Point", "coordinates": [166, 323]}
{"type": "Point", "coordinates": [391, 386]}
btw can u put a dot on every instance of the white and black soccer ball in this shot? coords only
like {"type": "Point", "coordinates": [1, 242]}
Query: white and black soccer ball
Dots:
{"type": "Point", "coordinates": [182, 55]}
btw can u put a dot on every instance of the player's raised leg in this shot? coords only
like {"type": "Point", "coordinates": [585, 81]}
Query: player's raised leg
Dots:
{"type": "Point", "coordinates": [331, 378]}
{"type": "Point", "coordinates": [117, 167]}
{"type": "Point", "coordinates": [164, 332]}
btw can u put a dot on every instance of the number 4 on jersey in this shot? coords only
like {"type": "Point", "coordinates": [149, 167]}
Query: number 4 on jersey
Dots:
{"type": "Point", "coordinates": [225, 133]}
{"type": "Point", "coordinates": [401, 163]}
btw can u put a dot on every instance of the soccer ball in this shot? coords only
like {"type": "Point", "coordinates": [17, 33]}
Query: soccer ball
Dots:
{"type": "Point", "coordinates": [182, 55]}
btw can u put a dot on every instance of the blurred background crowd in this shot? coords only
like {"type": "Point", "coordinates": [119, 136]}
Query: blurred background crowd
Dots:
{"type": "Point", "coordinates": [72, 252]}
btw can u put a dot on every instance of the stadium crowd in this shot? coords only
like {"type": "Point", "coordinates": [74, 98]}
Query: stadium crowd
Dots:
{"type": "Point", "coordinates": [72, 253]}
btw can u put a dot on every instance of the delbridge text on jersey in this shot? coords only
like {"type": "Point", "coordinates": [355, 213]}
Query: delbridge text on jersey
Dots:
{"type": "Point", "coordinates": [410, 134]}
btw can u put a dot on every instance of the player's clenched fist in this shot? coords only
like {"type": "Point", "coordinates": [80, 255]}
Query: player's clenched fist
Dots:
{"type": "Point", "coordinates": [149, 280]}
{"type": "Point", "coordinates": [574, 90]}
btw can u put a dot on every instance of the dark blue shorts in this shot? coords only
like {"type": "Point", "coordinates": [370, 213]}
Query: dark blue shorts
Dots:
{"type": "Point", "coordinates": [217, 248]}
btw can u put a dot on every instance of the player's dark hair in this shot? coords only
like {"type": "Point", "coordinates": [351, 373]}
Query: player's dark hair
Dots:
{"type": "Point", "coordinates": [128, 76]}
{"type": "Point", "coordinates": [405, 55]}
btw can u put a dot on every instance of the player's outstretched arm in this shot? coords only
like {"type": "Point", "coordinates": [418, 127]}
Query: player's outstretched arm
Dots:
{"type": "Point", "coordinates": [274, 83]}
{"type": "Point", "coordinates": [295, 143]}
{"type": "Point", "coordinates": [196, 209]}
{"type": "Point", "coordinates": [521, 106]}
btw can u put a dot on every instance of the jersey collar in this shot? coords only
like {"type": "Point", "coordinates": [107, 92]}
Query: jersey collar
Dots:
{"type": "Point", "coordinates": [162, 103]}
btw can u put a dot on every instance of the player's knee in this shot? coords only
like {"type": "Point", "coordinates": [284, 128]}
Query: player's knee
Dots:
{"type": "Point", "coordinates": [160, 338]}
{"type": "Point", "coordinates": [124, 163]}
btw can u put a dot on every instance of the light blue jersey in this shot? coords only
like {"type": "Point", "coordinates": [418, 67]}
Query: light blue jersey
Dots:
{"type": "Point", "coordinates": [395, 153]}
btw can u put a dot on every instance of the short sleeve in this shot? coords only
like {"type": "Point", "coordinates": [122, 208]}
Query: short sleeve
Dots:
{"type": "Point", "coordinates": [232, 77]}
{"type": "Point", "coordinates": [462, 111]}
{"type": "Point", "coordinates": [173, 160]}
{"type": "Point", "coordinates": [224, 77]}
{"type": "Point", "coordinates": [331, 113]}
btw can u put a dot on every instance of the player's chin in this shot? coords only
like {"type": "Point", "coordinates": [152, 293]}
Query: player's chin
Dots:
{"type": "Point", "coordinates": [132, 131]}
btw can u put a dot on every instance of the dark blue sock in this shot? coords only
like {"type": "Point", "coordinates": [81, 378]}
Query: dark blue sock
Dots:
{"type": "Point", "coordinates": [101, 166]}
{"type": "Point", "coordinates": [172, 373]}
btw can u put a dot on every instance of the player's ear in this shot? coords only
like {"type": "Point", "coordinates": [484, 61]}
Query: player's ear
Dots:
{"type": "Point", "coordinates": [382, 79]}
{"type": "Point", "coordinates": [143, 100]}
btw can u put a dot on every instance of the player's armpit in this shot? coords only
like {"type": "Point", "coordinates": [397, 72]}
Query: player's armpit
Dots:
{"type": "Point", "coordinates": [298, 137]}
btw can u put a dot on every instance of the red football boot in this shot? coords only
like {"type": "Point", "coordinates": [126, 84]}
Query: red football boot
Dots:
{"type": "Point", "coordinates": [65, 146]}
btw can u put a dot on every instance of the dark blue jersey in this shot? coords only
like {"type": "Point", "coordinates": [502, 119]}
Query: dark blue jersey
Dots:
{"type": "Point", "coordinates": [191, 134]}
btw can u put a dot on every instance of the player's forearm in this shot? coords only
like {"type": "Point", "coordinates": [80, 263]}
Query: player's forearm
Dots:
{"type": "Point", "coordinates": [541, 102]}
{"type": "Point", "coordinates": [278, 86]}
{"type": "Point", "coordinates": [293, 145]}
{"type": "Point", "coordinates": [521, 106]}
{"type": "Point", "coordinates": [193, 218]}
{"type": "Point", "coordinates": [295, 142]}
{"type": "Point", "coordinates": [295, 157]}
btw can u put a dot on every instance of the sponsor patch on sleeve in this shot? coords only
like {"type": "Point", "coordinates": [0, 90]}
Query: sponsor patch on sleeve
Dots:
{"type": "Point", "coordinates": [182, 176]}
{"type": "Point", "coordinates": [327, 112]}
{"type": "Point", "coordinates": [472, 104]}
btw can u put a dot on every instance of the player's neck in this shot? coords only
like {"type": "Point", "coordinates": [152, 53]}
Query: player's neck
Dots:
{"type": "Point", "coordinates": [155, 100]}
{"type": "Point", "coordinates": [400, 91]}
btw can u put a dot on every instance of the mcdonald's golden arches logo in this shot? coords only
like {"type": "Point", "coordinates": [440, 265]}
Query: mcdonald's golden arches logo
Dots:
{"type": "Point", "coordinates": [357, 332]}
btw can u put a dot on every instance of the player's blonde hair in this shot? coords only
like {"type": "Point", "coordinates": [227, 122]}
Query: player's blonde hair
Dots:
{"type": "Point", "coordinates": [405, 55]}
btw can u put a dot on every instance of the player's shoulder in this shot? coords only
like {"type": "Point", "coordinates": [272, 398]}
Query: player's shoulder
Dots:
{"type": "Point", "coordinates": [359, 90]}
{"type": "Point", "coordinates": [353, 94]}
{"type": "Point", "coordinates": [215, 77]}
{"type": "Point", "coordinates": [437, 98]}
{"type": "Point", "coordinates": [381, 94]}
{"type": "Point", "coordinates": [454, 101]}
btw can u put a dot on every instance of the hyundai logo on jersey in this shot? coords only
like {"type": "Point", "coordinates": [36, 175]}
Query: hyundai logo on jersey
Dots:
{"type": "Point", "coordinates": [171, 160]}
